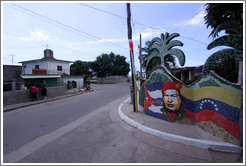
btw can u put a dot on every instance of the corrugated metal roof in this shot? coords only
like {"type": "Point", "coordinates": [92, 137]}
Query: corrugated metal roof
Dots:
{"type": "Point", "coordinates": [31, 76]}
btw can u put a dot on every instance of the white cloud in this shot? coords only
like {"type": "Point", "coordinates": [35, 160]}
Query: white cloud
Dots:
{"type": "Point", "coordinates": [37, 35]}
{"type": "Point", "coordinates": [42, 36]}
{"type": "Point", "coordinates": [149, 34]}
{"type": "Point", "coordinates": [105, 40]}
{"type": "Point", "coordinates": [197, 20]}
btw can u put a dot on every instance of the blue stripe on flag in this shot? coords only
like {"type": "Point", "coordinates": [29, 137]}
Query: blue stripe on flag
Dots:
{"type": "Point", "coordinates": [154, 86]}
{"type": "Point", "coordinates": [231, 113]}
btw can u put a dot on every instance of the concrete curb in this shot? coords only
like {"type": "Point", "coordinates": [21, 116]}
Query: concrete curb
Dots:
{"type": "Point", "coordinates": [204, 144]}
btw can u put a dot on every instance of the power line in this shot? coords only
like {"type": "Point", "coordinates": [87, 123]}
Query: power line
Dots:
{"type": "Point", "coordinates": [12, 58]}
{"type": "Point", "coordinates": [148, 25]}
{"type": "Point", "coordinates": [118, 16]}
{"type": "Point", "coordinates": [187, 20]}
{"type": "Point", "coordinates": [21, 31]}
{"type": "Point", "coordinates": [74, 29]}
{"type": "Point", "coordinates": [194, 40]}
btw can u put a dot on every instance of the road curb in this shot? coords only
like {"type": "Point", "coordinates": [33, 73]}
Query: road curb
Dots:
{"type": "Point", "coordinates": [204, 144]}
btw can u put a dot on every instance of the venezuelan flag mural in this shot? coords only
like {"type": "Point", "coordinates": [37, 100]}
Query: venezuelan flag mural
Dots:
{"type": "Point", "coordinates": [208, 100]}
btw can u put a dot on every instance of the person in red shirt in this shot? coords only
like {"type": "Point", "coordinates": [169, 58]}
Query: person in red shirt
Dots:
{"type": "Point", "coordinates": [33, 90]}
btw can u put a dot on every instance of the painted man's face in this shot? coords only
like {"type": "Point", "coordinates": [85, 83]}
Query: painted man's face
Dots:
{"type": "Point", "coordinates": [172, 99]}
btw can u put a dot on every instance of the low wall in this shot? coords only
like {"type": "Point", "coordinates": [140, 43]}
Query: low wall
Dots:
{"type": "Point", "coordinates": [112, 79]}
{"type": "Point", "coordinates": [21, 96]}
{"type": "Point", "coordinates": [211, 102]}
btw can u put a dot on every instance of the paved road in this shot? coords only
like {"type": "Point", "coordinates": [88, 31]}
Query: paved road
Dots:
{"type": "Point", "coordinates": [23, 125]}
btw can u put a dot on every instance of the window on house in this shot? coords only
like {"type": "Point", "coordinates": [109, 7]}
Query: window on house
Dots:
{"type": "Point", "coordinates": [59, 68]}
{"type": "Point", "coordinates": [36, 66]}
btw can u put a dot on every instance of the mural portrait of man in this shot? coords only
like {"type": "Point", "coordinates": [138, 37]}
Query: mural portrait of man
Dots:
{"type": "Point", "coordinates": [172, 109]}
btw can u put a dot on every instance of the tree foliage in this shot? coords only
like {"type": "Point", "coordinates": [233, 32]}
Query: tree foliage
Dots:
{"type": "Point", "coordinates": [219, 13]}
{"type": "Point", "coordinates": [228, 68]}
{"type": "Point", "coordinates": [227, 17]}
{"type": "Point", "coordinates": [109, 65]}
{"type": "Point", "coordinates": [80, 68]}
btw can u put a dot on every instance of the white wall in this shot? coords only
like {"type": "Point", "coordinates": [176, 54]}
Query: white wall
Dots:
{"type": "Point", "coordinates": [49, 65]}
{"type": "Point", "coordinates": [31, 65]}
{"type": "Point", "coordinates": [79, 80]}
{"type": "Point", "coordinates": [52, 67]}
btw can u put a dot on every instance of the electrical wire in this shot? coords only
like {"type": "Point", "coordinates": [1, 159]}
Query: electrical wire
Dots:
{"type": "Point", "coordinates": [147, 25]}
{"type": "Point", "coordinates": [69, 27]}
{"type": "Point", "coordinates": [187, 20]}
{"type": "Point", "coordinates": [118, 16]}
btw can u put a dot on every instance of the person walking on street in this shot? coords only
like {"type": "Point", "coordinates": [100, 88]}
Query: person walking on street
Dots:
{"type": "Point", "coordinates": [33, 90]}
{"type": "Point", "coordinates": [44, 92]}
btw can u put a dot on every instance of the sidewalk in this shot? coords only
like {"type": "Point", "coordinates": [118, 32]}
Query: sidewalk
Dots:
{"type": "Point", "coordinates": [26, 104]}
{"type": "Point", "coordinates": [185, 134]}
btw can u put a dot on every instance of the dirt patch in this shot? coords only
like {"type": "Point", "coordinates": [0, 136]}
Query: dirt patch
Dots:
{"type": "Point", "coordinates": [212, 128]}
{"type": "Point", "coordinates": [218, 131]}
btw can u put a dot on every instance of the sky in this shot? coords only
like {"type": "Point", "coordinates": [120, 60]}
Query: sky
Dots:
{"type": "Point", "coordinates": [85, 30]}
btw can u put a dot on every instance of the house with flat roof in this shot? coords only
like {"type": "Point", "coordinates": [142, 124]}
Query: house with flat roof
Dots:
{"type": "Point", "coordinates": [188, 74]}
{"type": "Point", "coordinates": [46, 65]}
{"type": "Point", "coordinates": [46, 70]}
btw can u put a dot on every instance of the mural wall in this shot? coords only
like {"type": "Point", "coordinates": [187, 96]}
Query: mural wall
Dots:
{"type": "Point", "coordinates": [209, 103]}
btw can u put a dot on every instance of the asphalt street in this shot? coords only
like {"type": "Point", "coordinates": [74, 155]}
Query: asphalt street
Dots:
{"type": "Point", "coordinates": [25, 124]}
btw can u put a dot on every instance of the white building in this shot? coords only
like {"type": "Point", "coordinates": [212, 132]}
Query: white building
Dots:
{"type": "Point", "coordinates": [74, 81]}
{"type": "Point", "coordinates": [46, 65]}
{"type": "Point", "coordinates": [143, 75]}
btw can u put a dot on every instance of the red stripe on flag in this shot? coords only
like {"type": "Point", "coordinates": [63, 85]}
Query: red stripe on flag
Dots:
{"type": "Point", "coordinates": [131, 46]}
{"type": "Point", "coordinates": [148, 101]}
{"type": "Point", "coordinates": [208, 115]}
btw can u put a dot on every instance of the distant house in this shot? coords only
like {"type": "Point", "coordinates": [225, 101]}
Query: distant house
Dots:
{"type": "Point", "coordinates": [46, 65]}
{"type": "Point", "coordinates": [11, 78]}
{"type": "Point", "coordinates": [188, 74]}
{"type": "Point", "coordinates": [138, 75]}
{"type": "Point", "coordinates": [73, 82]}
{"type": "Point", "coordinates": [47, 70]}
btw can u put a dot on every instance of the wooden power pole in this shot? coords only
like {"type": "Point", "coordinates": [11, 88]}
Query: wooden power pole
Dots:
{"type": "Point", "coordinates": [134, 85]}
{"type": "Point", "coordinates": [141, 59]}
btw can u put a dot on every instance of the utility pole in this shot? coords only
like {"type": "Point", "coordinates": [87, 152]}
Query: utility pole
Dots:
{"type": "Point", "coordinates": [134, 85]}
{"type": "Point", "coordinates": [141, 59]}
{"type": "Point", "coordinates": [12, 59]}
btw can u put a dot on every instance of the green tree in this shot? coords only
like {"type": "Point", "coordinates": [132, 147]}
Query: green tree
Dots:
{"type": "Point", "coordinates": [227, 17]}
{"type": "Point", "coordinates": [162, 49]}
{"type": "Point", "coordinates": [109, 65]}
{"type": "Point", "coordinates": [80, 68]}
{"type": "Point", "coordinates": [224, 14]}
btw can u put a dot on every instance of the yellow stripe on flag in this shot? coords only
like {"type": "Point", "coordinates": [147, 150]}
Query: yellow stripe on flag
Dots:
{"type": "Point", "coordinates": [221, 94]}
{"type": "Point", "coordinates": [135, 89]}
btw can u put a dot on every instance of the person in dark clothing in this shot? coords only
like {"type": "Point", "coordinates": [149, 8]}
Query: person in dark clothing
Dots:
{"type": "Point", "coordinates": [44, 92]}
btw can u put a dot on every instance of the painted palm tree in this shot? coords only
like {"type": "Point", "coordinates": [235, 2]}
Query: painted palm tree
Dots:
{"type": "Point", "coordinates": [162, 48]}
{"type": "Point", "coordinates": [146, 53]}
